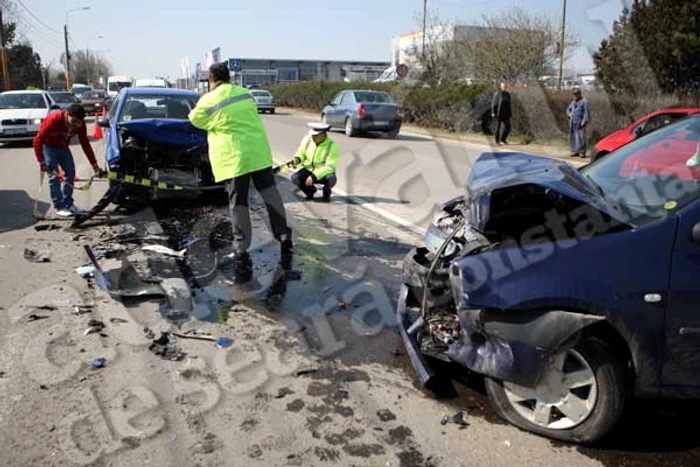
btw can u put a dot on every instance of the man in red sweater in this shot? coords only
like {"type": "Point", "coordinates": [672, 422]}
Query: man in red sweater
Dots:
{"type": "Point", "coordinates": [52, 149]}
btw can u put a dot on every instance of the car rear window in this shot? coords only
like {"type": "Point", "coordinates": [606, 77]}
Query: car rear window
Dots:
{"type": "Point", "coordinates": [63, 97]}
{"type": "Point", "coordinates": [377, 97]}
{"type": "Point", "coordinates": [261, 94]}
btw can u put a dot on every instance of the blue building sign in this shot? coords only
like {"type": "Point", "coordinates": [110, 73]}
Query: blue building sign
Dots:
{"type": "Point", "coordinates": [234, 64]}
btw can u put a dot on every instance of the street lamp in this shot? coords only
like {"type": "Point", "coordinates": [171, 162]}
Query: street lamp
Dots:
{"type": "Point", "coordinates": [87, 56]}
{"type": "Point", "coordinates": [65, 36]}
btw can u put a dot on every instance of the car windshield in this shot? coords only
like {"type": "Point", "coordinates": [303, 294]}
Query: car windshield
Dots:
{"type": "Point", "coordinates": [653, 176]}
{"type": "Point", "coordinates": [22, 101]}
{"type": "Point", "coordinates": [261, 94]}
{"type": "Point", "coordinates": [115, 85]}
{"type": "Point", "coordinates": [370, 97]}
{"type": "Point", "coordinates": [155, 106]}
{"type": "Point", "coordinates": [63, 97]}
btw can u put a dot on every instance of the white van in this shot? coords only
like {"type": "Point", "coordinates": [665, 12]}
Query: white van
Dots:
{"type": "Point", "coordinates": [115, 83]}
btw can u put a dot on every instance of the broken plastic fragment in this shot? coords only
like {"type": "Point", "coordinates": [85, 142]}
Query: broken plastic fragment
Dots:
{"type": "Point", "coordinates": [164, 250]}
{"type": "Point", "coordinates": [124, 282]}
{"type": "Point", "coordinates": [99, 363]}
{"type": "Point", "coordinates": [36, 257]}
{"type": "Point", "coordinates": [85, 271]}
{"type": "Point", "coordinates": [224, 342]}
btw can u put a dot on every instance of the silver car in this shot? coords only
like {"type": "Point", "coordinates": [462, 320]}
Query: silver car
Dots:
{"type": "Point", "coordinates": [21, 114]}
{"type": "Point", "coordinates": [264, 99]}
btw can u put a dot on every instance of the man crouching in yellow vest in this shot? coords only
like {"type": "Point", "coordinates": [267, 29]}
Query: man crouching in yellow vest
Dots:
{"type": "Point", "coordinates": [239, 152]}
{"type": "Point", "coordinates": [318, 156]}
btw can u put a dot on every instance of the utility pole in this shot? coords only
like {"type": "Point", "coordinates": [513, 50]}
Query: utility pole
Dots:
{"type": "Point", "coordinates": [561, 46]}
{"type": "Point", "coordinates": [68, 80]}
{"type": "Point", "coordinates": [425, 19]}
{"type": "Point", "coordinates": [3, 58]}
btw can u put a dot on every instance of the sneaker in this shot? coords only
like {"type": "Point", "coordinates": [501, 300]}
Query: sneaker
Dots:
{"type": "Point", "coordinates": [286, 244]}
{"type": "Point", "coordinates": [76, 210]}
{"type": "Point", "coordinates": [64, 213]}
{"type": "Point", "coordinates": [327, 190]}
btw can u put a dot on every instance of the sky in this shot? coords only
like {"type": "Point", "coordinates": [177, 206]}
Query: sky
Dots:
{"type": "Point", "coordinates": [146, 38]}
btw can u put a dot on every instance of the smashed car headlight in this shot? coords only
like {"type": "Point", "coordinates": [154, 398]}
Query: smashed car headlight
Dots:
{"type": "Point", "coordinates": [435, 237]}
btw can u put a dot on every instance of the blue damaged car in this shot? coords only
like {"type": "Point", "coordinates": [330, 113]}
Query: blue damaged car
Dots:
{"type": "Point", "coordinates": [150, 139]}
{"type": "Point", "coordinates": [569, 289]}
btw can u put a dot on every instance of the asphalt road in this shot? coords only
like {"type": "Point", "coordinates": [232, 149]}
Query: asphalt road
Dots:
{"type": "Point", "coordinates": [404, 179]}
{"type": "Point", "coordinates": [358, 404]}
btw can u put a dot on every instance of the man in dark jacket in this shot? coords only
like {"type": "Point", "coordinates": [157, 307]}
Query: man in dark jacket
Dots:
{"type": "Point", "coordinates": [501, 111]}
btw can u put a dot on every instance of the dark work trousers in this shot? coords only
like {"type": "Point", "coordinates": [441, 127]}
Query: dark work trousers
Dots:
{"type": "Point", "coordinates": [502, 138]}
{"type": "Point", "coordinates": [264, 181]}
{"type": "Point", "coordinates": [299, 179]}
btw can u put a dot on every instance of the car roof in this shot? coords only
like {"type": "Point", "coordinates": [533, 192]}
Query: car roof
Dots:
{"type": "Point", "coordinates": [25, 92]}
{"type": "Point", "coordinates": [676, 110]}
{"type": "Point", "coordinates": [158, 91]}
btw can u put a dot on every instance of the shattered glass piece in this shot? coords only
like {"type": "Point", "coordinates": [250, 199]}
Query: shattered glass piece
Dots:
{"type": "Point", "coordinates": [34, 256]}
{"type": "Point", "coordinates": [124, 282]}
{"type": "Point", "coordinates": [85, 271]}
{"type": "Point", "coordinates": [224, 342]}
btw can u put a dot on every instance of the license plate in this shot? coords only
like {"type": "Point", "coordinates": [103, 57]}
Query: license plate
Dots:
{"type": "Point", "coordinates": [15, 131]}
{"type": "Point", "coordinates": [381, 123]}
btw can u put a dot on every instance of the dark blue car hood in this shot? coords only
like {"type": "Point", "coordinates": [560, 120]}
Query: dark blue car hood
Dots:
{"type": "Point", "coordinates": [493, 171]}
{"type": "Point", "coordinates": [175, 132]}
{"type": "Point", "coordinates": [161, 131]}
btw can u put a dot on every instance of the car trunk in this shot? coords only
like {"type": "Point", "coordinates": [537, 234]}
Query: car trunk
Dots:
{"type": "Point", "coordinates": [381, 111]}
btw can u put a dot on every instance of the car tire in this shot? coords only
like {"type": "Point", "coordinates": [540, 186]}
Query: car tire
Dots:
{"type": "Point", "coordinates": [599, 155]}
{"type": "Point", "coordinates": [393, 133]}
{"type": "Point", "coordinates": [349, 129]}
{"type": "Point", "coordinates": [272, 111]}
{"type": "Point", "coordinates": [600, 418]}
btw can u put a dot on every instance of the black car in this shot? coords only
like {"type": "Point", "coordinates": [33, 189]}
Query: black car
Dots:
{"type": "Point", "coordinates": [362, 111]}
{"type": "Point", "coordinates": [63, 99]}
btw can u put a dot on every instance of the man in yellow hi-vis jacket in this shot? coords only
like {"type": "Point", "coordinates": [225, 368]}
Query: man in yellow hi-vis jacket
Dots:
{"type": "Point", "coordinates": [318, 156]}
{"type": "Point", "coordinates": [239, 152]}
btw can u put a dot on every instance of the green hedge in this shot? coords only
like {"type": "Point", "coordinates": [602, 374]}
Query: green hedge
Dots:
{"type": "Point", "coordinates": [539, 114]}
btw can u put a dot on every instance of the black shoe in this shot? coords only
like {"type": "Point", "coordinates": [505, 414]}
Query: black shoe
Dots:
{"type": "Point", "coordinates": [310, 192]}
{"type": "Point", "coordinates": [239, 266]}
{"type": "Point", "coordinates": [327, 190]}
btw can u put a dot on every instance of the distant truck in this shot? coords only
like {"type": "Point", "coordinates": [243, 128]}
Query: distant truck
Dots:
{"type": "Point", "coordinates": [115, 83]}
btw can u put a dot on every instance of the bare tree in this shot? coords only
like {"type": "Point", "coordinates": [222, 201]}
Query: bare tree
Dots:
{"type": "Point", "coordinates": [87, 68]}
{"type": "Point", "coordinates": [512, 45]}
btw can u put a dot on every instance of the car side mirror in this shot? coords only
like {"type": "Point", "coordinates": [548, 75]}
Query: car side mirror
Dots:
{"type": "Point", "coordinates": [696, 233]}
{"type": "Point", "coordinates": [55, 107]}
{"type": "Point", "coordinates": [103, 122]}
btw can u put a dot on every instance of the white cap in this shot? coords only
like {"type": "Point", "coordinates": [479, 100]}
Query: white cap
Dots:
{"type": "Point", "coordinates": [318, 128]}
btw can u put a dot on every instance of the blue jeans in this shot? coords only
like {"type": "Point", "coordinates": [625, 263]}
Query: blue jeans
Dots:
{"type": "Point", "coordinates": [61, 193]}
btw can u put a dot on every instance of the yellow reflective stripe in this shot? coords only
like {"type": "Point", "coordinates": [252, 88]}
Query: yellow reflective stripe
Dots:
{"type": "Point", "coordinates": [162, 185]}
{"type": "Point", "coordinates": [112, 175]}
{"type": "Point", "coordinates": [145, 182]}
{"type": "Point", "coordinates": [231, 100]}
{"type": "Point", "coordinates": [129, 178]}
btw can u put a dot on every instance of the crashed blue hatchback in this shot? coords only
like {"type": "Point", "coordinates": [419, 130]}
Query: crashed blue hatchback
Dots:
{"type": "Point", "coordinates": [569, 289]}
{"type": "Point", "coordinates": [150, 139]}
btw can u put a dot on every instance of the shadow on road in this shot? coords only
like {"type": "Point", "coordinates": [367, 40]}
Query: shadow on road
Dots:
{"type": "Point", "coordinates": [16, 210]}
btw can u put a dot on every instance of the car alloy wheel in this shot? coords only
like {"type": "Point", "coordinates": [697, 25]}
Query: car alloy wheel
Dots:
{"type": "Point", "coordinates": [565, 397]}
{"type": "Point", "coordinates": [349, 130]}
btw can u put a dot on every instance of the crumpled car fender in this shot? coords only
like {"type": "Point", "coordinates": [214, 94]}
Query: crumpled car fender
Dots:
{"type": "Point", "coordinates": [515, 345]}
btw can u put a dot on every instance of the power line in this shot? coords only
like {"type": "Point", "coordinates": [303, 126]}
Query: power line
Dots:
{"type": "Point", "coordinates": [33, 29]}
{"type": "Point", "coordinates": [21, 3]}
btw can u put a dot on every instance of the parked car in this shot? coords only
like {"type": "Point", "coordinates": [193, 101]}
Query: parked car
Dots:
{"type": "Point", "coordinates": [641, 127]}
{"type": "Point", "coordinates": [64, 99]}
{"type": "Point", "coordinates": [265, 100]}
{"type": "Point", "coordinates": [79, 89]}
{"type": "Point", "coordinates": [568, 289]}
{"type": "Point", "coordinates": [361, 111]}
{"type": "Point", "coordinates": [95, 102]}
{"type": "Point", "coordinates": [21, 114]}
{"type": "Point", "coordinates": [148, 136]}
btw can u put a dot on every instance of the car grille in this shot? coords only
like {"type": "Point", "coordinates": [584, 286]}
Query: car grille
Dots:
{"type": "Point", "coordinates": [15, 121]}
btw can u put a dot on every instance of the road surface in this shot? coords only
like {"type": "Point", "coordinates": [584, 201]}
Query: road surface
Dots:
{"type": "Point", "coordinates": [316, 374]}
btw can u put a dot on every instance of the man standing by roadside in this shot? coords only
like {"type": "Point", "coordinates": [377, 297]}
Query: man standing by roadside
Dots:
{"type": "Point", "coordinates": [240, 153]}
{"type": "Point", "coordinates": [52, 150]}
{"type": "Point", "coordinates": [579, 117]}
{"type": "Point", "coordinates": [502, 111]}
{"type": "Point", "coordinates": [318, 156]}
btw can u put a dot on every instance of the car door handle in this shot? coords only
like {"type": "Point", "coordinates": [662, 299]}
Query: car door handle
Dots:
{"type": "Point", "coordinates": [689, 331]}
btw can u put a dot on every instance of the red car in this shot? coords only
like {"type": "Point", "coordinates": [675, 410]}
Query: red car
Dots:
{"type": "Point", "coordinates": [641, 127]}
